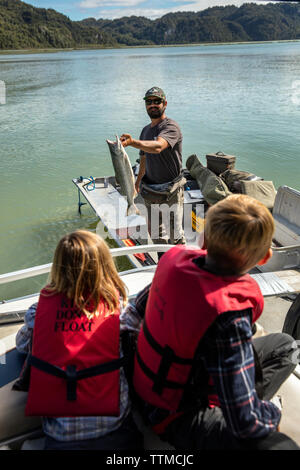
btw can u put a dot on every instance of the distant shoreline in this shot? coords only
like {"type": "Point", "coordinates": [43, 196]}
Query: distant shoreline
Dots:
{"type": "Point", "coordinates": [91, 48]}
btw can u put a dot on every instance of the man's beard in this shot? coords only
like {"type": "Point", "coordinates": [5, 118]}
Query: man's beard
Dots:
{"type": "Point", "coordinates": [155, 113]}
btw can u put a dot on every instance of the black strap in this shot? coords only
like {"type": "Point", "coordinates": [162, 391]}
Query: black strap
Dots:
{"type": "Point", "coordinates": [102, 368]}
{"type": "Point", "coordinates": [163, 370]}
{"type": "Point", "coordinates": [153, 376]}
{"type": "Point", "coordinates": [163, 350]}
{"type": "Point", "coordinates": [71, 375]}
{"type": "Point", "coordinates": [46, 367]}
{"type": "Point", "coordinates": [168, 357]}
{"type": "Point", "coordinates": [71, 383]}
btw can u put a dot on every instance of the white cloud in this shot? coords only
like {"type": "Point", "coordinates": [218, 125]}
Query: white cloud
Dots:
{"type": "Point", "coordinates": [119, 13]}
{"type": "Point", "coordinates": [100, 3]}
{"type": "Point", "coordinates": [127, 7]}
{"type": "Point", "coordinates": [198, 5]}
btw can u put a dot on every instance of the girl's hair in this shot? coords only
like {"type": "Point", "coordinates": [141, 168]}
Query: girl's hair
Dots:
{"type": "Point", "coordinates": [238, 232]}
{"type": "Point", "coordinates": [83, 269]}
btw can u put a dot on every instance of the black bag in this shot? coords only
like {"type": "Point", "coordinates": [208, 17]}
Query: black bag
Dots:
{"type": "Point", "coordinates": [292, 319]}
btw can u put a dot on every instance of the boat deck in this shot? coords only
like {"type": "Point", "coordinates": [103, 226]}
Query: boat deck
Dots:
{"type": "Point", "coordinates": [277, 285]}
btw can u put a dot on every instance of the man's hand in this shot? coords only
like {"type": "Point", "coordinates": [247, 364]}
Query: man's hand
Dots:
{"type": "Point", "coordinates": [126, 140]}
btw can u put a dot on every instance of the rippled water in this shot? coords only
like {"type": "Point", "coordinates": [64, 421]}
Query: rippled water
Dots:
{"type": "Point", "coordinates": [60, 108]}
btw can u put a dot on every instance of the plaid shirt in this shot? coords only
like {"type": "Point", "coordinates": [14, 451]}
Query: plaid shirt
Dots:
{"type": "Point", "coordinates": [227, 353]}
{"type": "Point", "coordinates": [229, 360]}
{"type": "Point", "coordinates": [78, 428]}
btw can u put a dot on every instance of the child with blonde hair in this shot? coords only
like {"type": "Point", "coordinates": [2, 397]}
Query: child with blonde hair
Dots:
{"type": "Point", "coordinates": [206, 382]}
{"type": "Point", "coordinates": [238, 234]}
{"type": "Point", "coordinates": [77, 379]}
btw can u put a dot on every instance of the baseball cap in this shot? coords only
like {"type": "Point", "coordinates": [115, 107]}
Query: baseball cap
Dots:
{"type": "Point", "coordinates": [155, 91]}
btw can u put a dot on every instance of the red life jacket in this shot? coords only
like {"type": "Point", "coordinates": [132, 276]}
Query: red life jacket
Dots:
{"type": "Point", "coordinates": [74, 362]}
{"type": "Point", "coordinates": [183, 302]}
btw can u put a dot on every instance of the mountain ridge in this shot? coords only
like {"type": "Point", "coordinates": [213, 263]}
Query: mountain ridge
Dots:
{"type": "Point", "coordinates": [24, 26]}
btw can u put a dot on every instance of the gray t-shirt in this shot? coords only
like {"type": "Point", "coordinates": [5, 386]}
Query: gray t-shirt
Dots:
{"type": "Point", "coordinates": [167, 165]}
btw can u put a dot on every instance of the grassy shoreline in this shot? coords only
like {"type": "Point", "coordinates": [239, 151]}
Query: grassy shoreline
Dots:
{"type": "Point", "coordinates": [97, 47]}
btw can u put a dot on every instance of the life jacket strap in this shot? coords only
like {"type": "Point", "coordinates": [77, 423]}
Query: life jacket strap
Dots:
{"type": "Point", "coordinates": [153, 376]}
{"type": "Point", "coordinates": [71, 383]}
{"type": "Point", "coordinates": [168, 357]}
{"type": "Point", "coordinates": [163, 370]}
{"type": "Point", "coordinates": [164, 350]}
{"type": "Point", "coordinates": [71, 375]}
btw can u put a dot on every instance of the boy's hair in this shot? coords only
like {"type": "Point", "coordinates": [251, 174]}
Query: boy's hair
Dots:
{"type": "Point", "coordinates": [238, 232]}
{"type": "Point", "coordinates": [83, 269]}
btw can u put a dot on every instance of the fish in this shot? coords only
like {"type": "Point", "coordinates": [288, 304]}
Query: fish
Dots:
{"type": "Point", "coordinates": [123, 173]}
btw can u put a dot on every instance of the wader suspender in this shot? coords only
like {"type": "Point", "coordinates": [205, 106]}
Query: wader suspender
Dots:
{"type": "Point", "coordinates": [167, 358]}
{"type": "Point", "coordinates": [71, 375]}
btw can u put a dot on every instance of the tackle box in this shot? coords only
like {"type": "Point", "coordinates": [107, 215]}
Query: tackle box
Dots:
{"type": "Point", "coordinates": [219, 162]}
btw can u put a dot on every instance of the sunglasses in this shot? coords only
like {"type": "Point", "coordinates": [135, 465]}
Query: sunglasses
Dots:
{"type": "Point", "coordinates": [155, 101]}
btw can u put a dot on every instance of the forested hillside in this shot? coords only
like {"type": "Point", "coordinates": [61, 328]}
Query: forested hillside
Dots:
{"type": "Point", "coordinates": [24, 26]}
{"type": "Point", "coordinates": [250, 22]}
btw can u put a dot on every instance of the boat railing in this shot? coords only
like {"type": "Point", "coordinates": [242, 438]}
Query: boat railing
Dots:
{"type": "Point", "coordinates": [122, 251]}
{"type": "Point", "coordinates": [285, 248]}
{"type": "Point", "coordinates": [115, 252]}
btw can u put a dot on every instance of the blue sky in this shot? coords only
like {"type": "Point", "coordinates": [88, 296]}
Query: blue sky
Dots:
{"type": "Point", "coordinates": [80, 9]}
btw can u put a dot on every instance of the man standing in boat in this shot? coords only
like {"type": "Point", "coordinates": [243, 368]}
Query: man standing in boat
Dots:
{"type": "Point", "coordinates": [160, 179]}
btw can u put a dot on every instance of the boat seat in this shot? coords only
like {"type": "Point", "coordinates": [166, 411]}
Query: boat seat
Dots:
{"type": "Point", "coordinates": [286, 213]}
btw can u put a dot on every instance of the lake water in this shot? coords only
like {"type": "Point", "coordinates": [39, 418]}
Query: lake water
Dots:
{"type": "Point", "coordinates": [242, 99]}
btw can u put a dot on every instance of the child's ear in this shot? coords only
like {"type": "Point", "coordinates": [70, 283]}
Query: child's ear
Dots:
{"type": "Point", "coordinates": [266, 258]}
